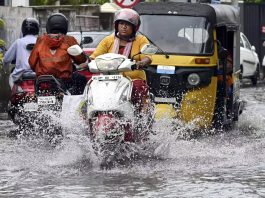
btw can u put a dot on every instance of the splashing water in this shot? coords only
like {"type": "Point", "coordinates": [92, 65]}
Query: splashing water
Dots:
{"type": "Point", "coordinates": [228, 164]}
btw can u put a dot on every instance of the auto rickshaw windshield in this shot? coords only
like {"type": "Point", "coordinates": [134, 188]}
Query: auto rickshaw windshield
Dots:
{"type": "Point", "coordinates": [179, 34]}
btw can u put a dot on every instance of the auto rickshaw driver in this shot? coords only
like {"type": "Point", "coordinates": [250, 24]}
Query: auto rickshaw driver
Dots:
{"type": "Point", "coordinates": [226, 66]}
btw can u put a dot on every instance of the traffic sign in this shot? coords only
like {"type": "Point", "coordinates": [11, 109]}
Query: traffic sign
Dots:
{"type": "Point", "coordinates": [126, 3]}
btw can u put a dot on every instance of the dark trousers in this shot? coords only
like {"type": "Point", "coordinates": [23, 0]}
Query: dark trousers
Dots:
{"type": "Point", "coordinates": [76, 85]}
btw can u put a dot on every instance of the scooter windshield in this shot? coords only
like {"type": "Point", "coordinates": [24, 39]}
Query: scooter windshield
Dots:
{"type": "Point", "coordinates": [179, 34]}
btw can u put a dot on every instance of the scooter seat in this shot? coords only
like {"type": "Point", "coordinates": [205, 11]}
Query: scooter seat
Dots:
{"type": "Point", "coordinates": [27, 76]}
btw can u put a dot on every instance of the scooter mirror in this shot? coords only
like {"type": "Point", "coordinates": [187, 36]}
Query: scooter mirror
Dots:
{"type": "Point", "coordinates": [87, 40]}
{"type": "Point", "coordinates": [149, 49]}
{"type": "Point", "coordinates": [30, 46]}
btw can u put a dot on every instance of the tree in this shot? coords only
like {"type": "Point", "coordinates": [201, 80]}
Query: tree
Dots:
{"type": "Point", "coordinates": [41, 2]}
{"type": "Point", "coordinates": [254, 1]}
{"type": "Point", "coordinates": [2, 23]}
{"type": "Point", "coordinates": [66, 2]}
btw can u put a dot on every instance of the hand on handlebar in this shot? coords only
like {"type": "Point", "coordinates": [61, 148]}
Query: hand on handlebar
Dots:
{"type": "Point", "coordinates": [143, 63]}
{"type": "Point", "coordinates": [140, 64]}
{"type": "Point", "coordinates": [82, 66]}
{"type": "Point", "coordinates": [137, 65]}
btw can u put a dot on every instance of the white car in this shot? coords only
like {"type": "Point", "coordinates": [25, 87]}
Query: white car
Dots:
{"type": "Point", "coordinates": [249, 61]}
{"type": "Point", "coordinates": [89, 40]}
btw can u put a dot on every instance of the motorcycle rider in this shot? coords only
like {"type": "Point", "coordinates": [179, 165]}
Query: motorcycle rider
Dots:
{"type": "Point", "coordinates": [50, 55]}
{"type": "Point", "coordinates": [125, 41]}
{"type": "Point", "coordinates": [19, 52]}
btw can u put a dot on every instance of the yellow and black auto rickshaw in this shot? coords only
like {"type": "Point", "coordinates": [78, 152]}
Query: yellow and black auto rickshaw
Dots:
{"type": "Point", "coordinates": [194, 77]}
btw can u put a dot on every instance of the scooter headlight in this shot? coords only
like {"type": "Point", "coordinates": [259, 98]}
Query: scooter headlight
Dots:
{"type": "Point", "coordinates": [194, 79]}
{"type": "Point", "coordinates": [124, 96]}
{"type": "Point", "coordinates": [89, 98]}
{"type": "Point", "coordinates": [108, 65]}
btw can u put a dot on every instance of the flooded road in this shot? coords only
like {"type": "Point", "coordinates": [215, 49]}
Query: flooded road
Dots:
{"type": "Point", "coordinates": [230, 164]}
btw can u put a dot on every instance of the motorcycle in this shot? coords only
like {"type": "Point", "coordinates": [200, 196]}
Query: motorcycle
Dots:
{"type": "Point", "coordinates": [37, 102]}
{"type": "Point", "coordinates": [108, 111]}
{"type": "Point", "coordinates": [22, 97]}
{"type": "Point", "coordinates": [31, 98]}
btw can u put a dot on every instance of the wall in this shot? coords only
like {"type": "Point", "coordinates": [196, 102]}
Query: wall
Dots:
{"type": "Point", "coordinates": [72, 13]}
{"type": "Point", "coordinates": [24, 3]}
{"type": "Point", "coordinates": [14, 16]}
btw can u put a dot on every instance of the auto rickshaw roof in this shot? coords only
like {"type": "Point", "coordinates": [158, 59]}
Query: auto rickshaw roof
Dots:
{"type": "Point", "coordinates": [217, 14]}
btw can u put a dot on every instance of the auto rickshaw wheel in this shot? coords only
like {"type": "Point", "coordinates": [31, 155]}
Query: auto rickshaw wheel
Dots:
{"type": "Point", "coordinates": [254, 79]}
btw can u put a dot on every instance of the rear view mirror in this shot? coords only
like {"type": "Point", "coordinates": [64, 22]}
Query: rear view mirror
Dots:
{"type": "Point", "coordinates": [30, 46]}
{"type": "Point", "coordinates": [149, 49]}
{"type": "Point", "coordinates": [87, 40]}
{"type": "Point", "coordinates": [253, 48]}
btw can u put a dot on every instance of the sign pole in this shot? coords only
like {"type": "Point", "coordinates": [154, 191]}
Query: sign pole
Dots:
{"type": "Point", "coordinates": [126, 3]}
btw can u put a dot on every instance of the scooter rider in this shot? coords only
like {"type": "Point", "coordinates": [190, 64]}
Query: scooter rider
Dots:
{"type": "Point", "coordinates": [19, 52]}
{"type": "Point", "coordinates": [50, 55]}
{"type": "Point", "coordinates": [125, 41]}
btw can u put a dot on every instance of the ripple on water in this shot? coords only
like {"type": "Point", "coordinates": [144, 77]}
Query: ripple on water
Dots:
{"type": "Point", "coordinates": [226, 164]}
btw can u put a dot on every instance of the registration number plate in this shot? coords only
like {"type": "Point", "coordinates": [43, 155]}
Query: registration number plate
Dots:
{"type": "Point", "coordinates": [163, 69]}
{"type": "Point", "coordinates": [165, 100]}
{"type": "Point", "coordinates": [46, 100]}
{"type": "Point", "coordinates": [31, 106]}
{"type": "Point", "coordinates": [106, 77]}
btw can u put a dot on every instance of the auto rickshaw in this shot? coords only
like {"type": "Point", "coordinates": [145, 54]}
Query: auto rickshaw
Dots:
{"type": "Point", "coordinates": [189, 76]}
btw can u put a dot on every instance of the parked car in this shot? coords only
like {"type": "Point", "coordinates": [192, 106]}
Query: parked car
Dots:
{"type": "Point", "coordinates": [89, 40]}
{"type": "Point", "coordinates": [249, 61]}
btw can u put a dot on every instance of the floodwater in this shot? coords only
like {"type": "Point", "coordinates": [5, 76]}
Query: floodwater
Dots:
{"type": "Point", "coordinates": [229, 164]}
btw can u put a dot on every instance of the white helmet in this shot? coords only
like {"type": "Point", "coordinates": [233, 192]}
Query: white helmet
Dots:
{"type": "Point", "coordinates": [128, 15]}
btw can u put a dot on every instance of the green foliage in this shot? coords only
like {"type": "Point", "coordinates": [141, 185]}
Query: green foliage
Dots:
{"type": "Point", "coordinates": [2, 23]}
{"type": "Point", "coordinates": [254, 1]}
{"type": "Point", "coordinates": [41, 2]}
{"type": "Point", "coordinates": [2, 43]}
{"type": "Point", "coordinates": [66, 2]}
{"type": "Point", "coordinates": [78, 2]}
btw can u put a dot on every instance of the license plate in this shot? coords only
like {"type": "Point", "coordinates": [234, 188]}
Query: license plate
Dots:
{"type": "Point", "coordinates": [106, 77]}
{"type": "Point", "coordinates": [31, 106]}
{"type": "Point", "coordinates": [165, 100]}
{"type": "Point", "coordinates": [163, 69]}
{"type": "Point", "coordinates": [46, 100]}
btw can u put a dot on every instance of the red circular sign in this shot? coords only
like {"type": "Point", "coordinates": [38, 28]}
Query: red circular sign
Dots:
{"type": "Point", "coordinates": [126, 3]}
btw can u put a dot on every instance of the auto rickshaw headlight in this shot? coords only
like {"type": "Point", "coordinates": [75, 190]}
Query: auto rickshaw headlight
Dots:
{"type": "Point", "coordinates": [194, 79]}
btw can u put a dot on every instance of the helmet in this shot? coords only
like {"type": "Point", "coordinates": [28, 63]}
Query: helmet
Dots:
{"type": "Point", "coordinates": [128, 15]}
{"type": "Point", "coordinates": [30, 26]}
{"type": "Point", "coordinates": [57, 23]}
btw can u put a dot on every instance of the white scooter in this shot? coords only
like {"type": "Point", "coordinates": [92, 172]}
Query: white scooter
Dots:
{"type": "Point", "coordinates": [109, 112]}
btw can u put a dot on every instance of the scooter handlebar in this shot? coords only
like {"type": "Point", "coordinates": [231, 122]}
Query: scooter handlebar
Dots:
{"type": "Point", "coordinates": [133, 67]}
